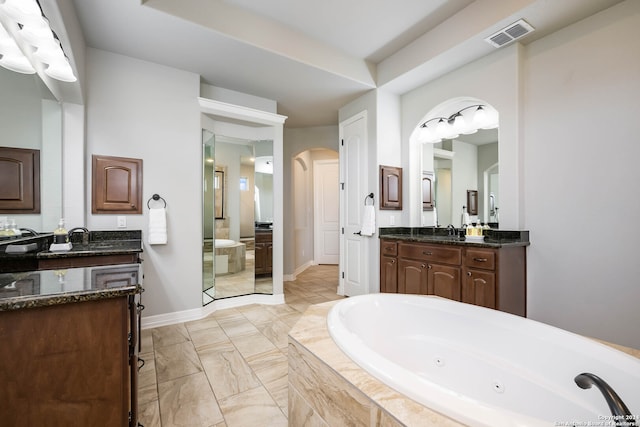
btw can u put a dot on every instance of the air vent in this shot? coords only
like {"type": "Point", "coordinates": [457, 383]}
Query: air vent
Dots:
{"type": "Point", "coordinates": [510, 33]}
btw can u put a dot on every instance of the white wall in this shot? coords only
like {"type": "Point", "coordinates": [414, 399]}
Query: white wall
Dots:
{"type": "Point", "coordinates": [568, 165]}
{"type": "Point", "coordinates": [143, 110]}
{"type": "Point", "coordinates": [581, 130]}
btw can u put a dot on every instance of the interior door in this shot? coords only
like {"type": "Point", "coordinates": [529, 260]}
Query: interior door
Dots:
{"type": "Point", "coordinates": [354, 278]}
{"type": "Point", "coordinates": [326, 176]}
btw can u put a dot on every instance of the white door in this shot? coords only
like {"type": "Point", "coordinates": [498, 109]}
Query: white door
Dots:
{"type": "Point", "coordinates": [326, 201]}
{"type": "Point", "coordinates": [354, 277]}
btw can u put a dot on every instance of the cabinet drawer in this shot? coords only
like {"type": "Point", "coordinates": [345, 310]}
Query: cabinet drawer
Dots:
{"type": "Point", "coordinates": [480, 258]}
{"type": "Point", "coordinates": [441, 254]}
{"type": "Point", "coordinates": [388, 248]}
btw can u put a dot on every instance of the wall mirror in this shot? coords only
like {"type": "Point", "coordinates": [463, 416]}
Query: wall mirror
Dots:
{"type": "Point", "coordinates": [30, 117]}
{"type": "Point", "coordinates": [237, 215]}
{"type": "Point", "coordinates": [467, 163]}
{"type": "Point", "coordinates": [463, 157]}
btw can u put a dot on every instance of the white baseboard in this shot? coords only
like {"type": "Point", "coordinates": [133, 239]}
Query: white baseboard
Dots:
{"type": "Point", "coordinates": [158, 320]}
{"type": "Point", "coordinates": [299, 270]}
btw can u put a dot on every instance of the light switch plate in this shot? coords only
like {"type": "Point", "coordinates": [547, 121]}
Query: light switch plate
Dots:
{"type": "Point", "coordinates": [392, 220]}
{"type": "Point", "coordinates": [122, 221]}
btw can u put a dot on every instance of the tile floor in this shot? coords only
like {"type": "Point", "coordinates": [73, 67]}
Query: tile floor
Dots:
{"type": "Point", "coordinates": [229, 369]}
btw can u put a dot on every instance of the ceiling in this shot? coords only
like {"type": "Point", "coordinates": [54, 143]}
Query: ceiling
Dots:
{"type": "Point", "coordinates": [314, 57]}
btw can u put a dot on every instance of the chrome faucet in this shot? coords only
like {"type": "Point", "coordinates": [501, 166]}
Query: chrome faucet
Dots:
{"type": "Point", "coordinates": [623, 417]}
{"type": "Point", "coordinates": [85, 234]}
{"type": "Point", "coordinates": [451, 231]}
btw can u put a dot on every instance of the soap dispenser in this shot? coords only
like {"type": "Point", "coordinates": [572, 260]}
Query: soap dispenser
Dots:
{"type": "Point", "coordinates": [61, 241]}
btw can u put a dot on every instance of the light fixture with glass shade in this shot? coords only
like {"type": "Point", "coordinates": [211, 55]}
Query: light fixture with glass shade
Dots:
{"type": "Point", "coordinates": [28, 44]}
{"type": "Point", "coordinates": [465, 121]}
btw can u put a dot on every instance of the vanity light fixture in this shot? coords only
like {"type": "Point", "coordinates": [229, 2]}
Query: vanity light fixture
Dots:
{"type": "Point", "coordinates": [28, 44]}
{"type": "Point", "coordinates": [456, 124]}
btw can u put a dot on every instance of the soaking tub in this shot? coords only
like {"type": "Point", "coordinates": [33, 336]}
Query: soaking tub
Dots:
{"type": "Point", "coordinates": [224, 243]}
{"type": "Point", "coordinates": [480, 366]}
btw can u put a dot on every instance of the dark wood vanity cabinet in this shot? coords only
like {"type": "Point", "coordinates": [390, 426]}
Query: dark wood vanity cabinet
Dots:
{"type": "Point", "coordinates": [489, 277]}
{"type": "Point", "coordinates": [263, 252]}
{"type": "Point", "coordinates": [70, 364]}
{"type": "Point", "coordinates": [388, 266]}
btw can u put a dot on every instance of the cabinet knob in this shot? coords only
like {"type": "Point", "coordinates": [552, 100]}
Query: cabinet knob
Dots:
{"type": "Point", "coordinates": [469, 273]}
{"type": "Point", "coordinates": [133, 206]}
{"type": "Point", "coordinates": [427, 253]}
{"type": "Point", "coordinates": [393, 261]}
{"type": "Point", "coordinates": [424, 266]}
{"type": "Point", "coordinates": [430, 267]}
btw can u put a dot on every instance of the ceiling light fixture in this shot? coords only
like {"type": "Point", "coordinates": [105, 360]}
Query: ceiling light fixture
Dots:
{"type": "Point", "coordinates": [27, 42]}
{"type": "Point", "coordinates": [456, 124]}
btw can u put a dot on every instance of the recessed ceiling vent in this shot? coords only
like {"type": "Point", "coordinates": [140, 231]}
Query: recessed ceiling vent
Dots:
{"type": "Point", "coordinates": [510, 33]}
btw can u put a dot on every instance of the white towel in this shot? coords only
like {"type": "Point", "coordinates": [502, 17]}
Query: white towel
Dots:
{"type": "Point", "coordinates": [368, 221]}
{"type": "Point", "coordinates": [157, 226]}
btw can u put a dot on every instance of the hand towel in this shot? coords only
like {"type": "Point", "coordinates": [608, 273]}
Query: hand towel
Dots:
{"type": "Point", "coordinates": [157, 226]}
{"type": "Point", "coordinates": [368, 226]}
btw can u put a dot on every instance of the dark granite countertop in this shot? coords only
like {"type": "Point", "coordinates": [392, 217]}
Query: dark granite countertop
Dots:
{"type": "Point", "coordinates": [493, 238]}
{"type": "Point", "coordinates": [98, 243]}
{"type": "Point", "coordinates": [52, 287]}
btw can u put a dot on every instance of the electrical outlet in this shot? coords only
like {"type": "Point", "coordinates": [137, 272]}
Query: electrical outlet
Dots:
{"type": "Point", "coordinates": [122, 222]}
{"type": "Point", "coordinates": [392, 220]}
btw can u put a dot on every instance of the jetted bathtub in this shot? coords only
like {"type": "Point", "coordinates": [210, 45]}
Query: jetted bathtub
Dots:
{"type": "Point", "coordinates": [480, 366]}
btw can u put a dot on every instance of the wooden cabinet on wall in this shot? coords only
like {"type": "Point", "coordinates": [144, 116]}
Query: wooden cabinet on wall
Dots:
{"type": "Point", "coordinates": [116, 185]}
{"type": "Point", "coordinates": [19, 181]}
{"type": "Point", "coordinates": [489, 277]}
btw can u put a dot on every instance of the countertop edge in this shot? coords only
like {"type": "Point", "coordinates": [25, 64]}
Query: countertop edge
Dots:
{"type": "Point", "coordinates": [23, 302]}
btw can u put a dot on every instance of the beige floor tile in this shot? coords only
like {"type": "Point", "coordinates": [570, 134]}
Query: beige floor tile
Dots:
{"type": "Point", "coordinates": [169, 335]}
{"type": "Point", "coordinates": [176, 361]}
{"type": "Point", "coordinates": [237, 355]}
{"type": "Point", "coordinates": [269, 366]}
{"type": "Point", "coordinates": [227, 371]}
{"type": "Point", "coordinates": [188, 401]}
{"type": "Point", "coordinates": [279, 391]}
{"type": "Point", "coordinates": [234, 327]}
{"type": "Point", "coordinates": [253, 343]}
{"type": "Point", "coordinates": [207, 338]}
{"type": "Point", "coordinates": [206, 323]}
{"type": "Point", "coordinates": [149, 414]}
{"type": "Point", "coordinates": [147, 384]}
{"type": "Point", "coordinates": [251, 408]}
{"type": "Point", "coordinates": [277, 332]}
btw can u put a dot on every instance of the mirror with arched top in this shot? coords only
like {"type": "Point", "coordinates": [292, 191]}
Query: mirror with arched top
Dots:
{"type": "Point", "coordinates": [459, 140]}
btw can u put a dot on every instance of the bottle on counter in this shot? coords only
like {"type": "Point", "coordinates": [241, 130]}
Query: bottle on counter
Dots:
{"type": "Point", "coordinates": [60, 234]}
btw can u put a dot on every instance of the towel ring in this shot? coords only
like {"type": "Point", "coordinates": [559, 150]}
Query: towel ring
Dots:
{"type": "Point", "coordinates": [156, 197]}
{"type": "Point", "coordinates": [370, 195]}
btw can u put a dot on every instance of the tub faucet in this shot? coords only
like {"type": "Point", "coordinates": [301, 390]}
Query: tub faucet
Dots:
{"type": "Point", "coordinates": [623, 417]}
{"type": "Point", "coordinates": [85, 234]}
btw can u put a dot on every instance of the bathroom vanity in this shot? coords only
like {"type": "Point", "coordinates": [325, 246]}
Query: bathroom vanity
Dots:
{"type": "Point", "coordinates": [70, 334]}
{"type": "Point", "coordinates": [427, 261]}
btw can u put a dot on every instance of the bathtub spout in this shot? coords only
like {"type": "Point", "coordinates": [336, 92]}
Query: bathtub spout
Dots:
{"type": "Point", "coordinates": [623, 416]}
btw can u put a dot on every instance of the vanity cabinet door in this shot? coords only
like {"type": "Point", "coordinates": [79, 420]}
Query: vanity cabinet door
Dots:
{"type": "Point", "coordinates": [479, 288]}
{"type": "Point", "coordinates": [388, 274]}
{"type": "Point", "coordinates": [412, 277]}
{"type": "Point", "coordinates": [444, 281]}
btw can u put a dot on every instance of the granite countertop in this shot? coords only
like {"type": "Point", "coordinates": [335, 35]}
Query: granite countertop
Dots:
{"type": "Point", "coordinates": [493, 238]}
{"type": "Point", "coordinates": [98, 243]}
{"type": "Point", "coordinates": [52, 287]}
